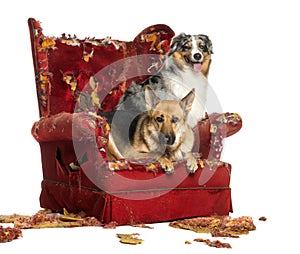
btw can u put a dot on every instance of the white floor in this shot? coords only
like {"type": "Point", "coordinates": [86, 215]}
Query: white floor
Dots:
{"type": "Point", "coordinates": [162, 239]}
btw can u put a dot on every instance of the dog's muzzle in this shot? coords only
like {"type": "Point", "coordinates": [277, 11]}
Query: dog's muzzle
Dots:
{"type": "Point", "coordinates": [196, 61]}
{"type": "Point", "coordinates": [168, 139]}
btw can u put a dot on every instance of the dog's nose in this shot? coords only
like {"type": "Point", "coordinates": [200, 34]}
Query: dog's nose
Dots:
{"type": "Point", "coordinates": [197, 56]}
{"type": "Point", "coordinates": [170, 139]}
{"type": "Point", "coordinates": [166, 139]}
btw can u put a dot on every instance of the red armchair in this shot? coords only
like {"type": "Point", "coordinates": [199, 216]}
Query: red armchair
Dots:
{"type": "Point", "coordinates": [76, 79]}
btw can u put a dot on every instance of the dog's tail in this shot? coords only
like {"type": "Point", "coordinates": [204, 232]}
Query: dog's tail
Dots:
{"type": "Point", "coordinates": [113, 152]}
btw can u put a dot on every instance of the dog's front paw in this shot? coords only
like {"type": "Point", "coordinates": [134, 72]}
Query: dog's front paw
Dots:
{"type": "Point", "coordinates": [191, 164]}
{"type": "Point", "coordinates": [166, 165]}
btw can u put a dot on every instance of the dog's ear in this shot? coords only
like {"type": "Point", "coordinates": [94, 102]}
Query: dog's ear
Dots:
{"type": "Point", "coordinates": [151, 99]}
{"type": "Point", "coordinates": [177, 42]}
{"type": "Point", "coordinates": [187, 102]}
{"type": "Point", "coordinates": [208, 43]}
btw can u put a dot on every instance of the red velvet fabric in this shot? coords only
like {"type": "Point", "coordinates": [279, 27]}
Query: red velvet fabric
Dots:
{"type": "Point", "coordinates": [134, 195]}
{"type": "Point", "coordinates": [127, 208]}
{"type": "Point", "coordinates": [78, 78]}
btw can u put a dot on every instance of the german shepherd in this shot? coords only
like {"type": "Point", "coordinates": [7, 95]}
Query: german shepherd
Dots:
{"type": "Point", "coordinates": [161, 133]}
{"type": "Point", "coordinates": [186, 66]}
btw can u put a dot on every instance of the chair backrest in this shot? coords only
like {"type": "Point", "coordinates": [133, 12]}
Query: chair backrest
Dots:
{"type": "Point", "coordinates": [91, 74]}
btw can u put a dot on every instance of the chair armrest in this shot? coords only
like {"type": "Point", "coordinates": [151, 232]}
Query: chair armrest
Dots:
{"type": "Point", "coordinates": [70, 127]}
{"type": "Point", "coordinates": [78, 127]}
{"type": "Point", "coordinates": [211, 131]}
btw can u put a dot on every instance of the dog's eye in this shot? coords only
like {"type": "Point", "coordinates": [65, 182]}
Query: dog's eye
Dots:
{"type": "Point", "coordinates": [174, 119]}
{"type": "Point", "coordinates": [160, 119]}
{"type": "Point", "coordinates": [202, 47]}
{"type": "Point", "coordinates": [186, 48]}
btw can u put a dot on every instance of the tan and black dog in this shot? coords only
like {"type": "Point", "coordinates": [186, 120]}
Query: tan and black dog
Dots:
{"type": "Point", "coordinates": [160, 134]}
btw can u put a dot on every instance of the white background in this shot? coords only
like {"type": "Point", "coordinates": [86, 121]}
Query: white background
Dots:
{"type": "Point", "coordinates": [255, 72]}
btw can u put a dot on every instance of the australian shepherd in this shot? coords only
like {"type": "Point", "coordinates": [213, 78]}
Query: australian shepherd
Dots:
{"type": "Point", "coordinates": [186, 67]}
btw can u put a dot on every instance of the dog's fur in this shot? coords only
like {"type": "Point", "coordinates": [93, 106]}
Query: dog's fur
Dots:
{"type": "Point", "coordinates": [161, 133]}
{"type": "Point", "coordinates": [186, 66]}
